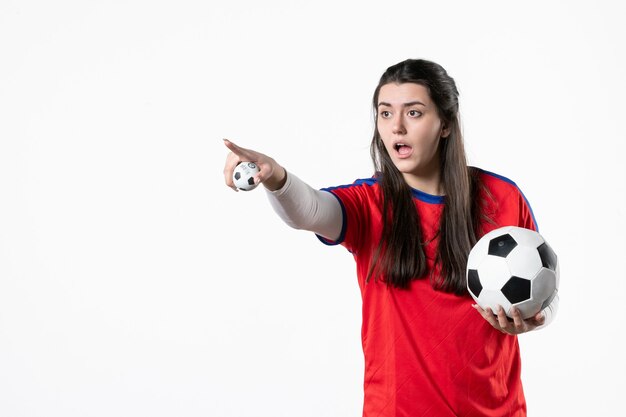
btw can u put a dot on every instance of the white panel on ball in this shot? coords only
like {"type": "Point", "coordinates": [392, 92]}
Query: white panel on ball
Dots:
{"type": "Point", "coordinates": [477, 254]}
{"type": "Point", "coordinates": [544, 284]}
{"type": "Point", "coordinates": [492, 299]}
{"type": "Point", "coordinates": [524, 261]}
{"type": "Point", "coordinates": [528, 308]}
{"type": "Point", "coordinates": [491, 270]}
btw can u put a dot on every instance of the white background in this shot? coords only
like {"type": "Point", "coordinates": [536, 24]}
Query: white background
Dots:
{"type": "Point", "coordinates": [134, 283]}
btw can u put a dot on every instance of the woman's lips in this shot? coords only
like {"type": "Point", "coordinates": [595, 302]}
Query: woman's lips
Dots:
{"type": "Point", "coordinates": [403, 151]}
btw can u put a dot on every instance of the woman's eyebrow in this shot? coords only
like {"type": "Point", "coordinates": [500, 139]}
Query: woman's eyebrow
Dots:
{"type": "Point", "coordinates": [410, 103]}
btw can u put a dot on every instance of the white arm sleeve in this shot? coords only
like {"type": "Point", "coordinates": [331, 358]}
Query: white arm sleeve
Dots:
{"type": "Point", "coordinates": [550, 311]}
{"type": "Point", "coordinates": [302, 207]}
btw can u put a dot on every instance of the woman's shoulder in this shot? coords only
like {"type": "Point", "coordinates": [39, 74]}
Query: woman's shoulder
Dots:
{"type": "Point", "coordinates": [496, 183]}
{"type": "Point", "coordinates": [358, 199]}
{"type": "Point", "coordinates": [502, 197]}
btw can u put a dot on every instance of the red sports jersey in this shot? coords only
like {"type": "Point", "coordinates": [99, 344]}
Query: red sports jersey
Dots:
{"type": "Point", "coordinates": [428, 352]}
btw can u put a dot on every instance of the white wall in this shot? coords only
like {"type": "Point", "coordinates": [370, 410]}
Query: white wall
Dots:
{"type": "Point", "coordinates": [133, 282]}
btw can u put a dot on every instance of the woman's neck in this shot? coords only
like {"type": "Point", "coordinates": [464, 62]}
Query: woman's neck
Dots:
{"type": "Point", "coordinates": [427, 180]}
{"type": "Point", "coordinates": [430, 185]}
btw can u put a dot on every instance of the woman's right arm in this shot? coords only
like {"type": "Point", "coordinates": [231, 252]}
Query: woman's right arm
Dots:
{"type": "Point", "coordinates": [297, 203]}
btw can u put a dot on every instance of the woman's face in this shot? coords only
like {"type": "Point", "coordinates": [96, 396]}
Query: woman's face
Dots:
{"type": "Point", "coordinates": [411, 129]}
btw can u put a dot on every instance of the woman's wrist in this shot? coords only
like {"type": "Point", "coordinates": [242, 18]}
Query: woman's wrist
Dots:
{"type": "Point", "coordinates": [277, 180]}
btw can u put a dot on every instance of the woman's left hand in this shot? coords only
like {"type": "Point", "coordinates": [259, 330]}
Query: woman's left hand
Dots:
{"type": "Point", "coordinates": [517, 326]}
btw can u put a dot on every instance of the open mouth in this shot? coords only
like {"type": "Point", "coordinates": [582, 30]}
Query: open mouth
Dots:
{"type": "Point", "coordinates": [402, 149]}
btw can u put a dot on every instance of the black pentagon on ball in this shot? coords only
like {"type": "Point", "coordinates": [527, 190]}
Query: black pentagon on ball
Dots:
{"type": "Point", "coordinates": [473, 282]}
{"type": "Point", "coordinates": [502, 245]}
{"type": "Point", "coordinates": [516, 290]}
{"type": "Point", "coordinates": [548, 257]}
{"type": "Point", "coordinates": [237, 175]}
{"type": "Point", "coordinates": [250, 181]}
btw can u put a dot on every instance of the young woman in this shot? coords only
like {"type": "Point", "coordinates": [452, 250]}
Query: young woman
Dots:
{"type": "Point", "coordinates": [410, 229]}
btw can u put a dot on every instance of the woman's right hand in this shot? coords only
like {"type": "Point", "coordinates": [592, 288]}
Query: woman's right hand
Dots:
{"type": "Point", "coordinates": [272, 175]}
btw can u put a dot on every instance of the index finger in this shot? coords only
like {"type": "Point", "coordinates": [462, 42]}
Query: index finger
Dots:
{"type": "Point", "coordinates": [487, 315]}
{"type": "Point", "coordinates": [244, 153]}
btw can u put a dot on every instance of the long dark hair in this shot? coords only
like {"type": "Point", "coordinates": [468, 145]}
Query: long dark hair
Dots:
{"type": "Point", "coordinates": [399, 257]}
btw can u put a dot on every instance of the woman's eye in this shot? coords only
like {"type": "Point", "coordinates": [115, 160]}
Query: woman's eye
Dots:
{"type": "Point", "coordinates": [384, 113]}
{"type": "Point", "coordinates": [414, 113]}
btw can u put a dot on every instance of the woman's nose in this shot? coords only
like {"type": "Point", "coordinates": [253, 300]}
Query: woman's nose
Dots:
{"type": "Point", "coordinates": [398, 126]}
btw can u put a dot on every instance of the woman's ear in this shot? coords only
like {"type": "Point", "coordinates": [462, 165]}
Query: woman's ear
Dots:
{"type": "Point", "coordinates": [445, 131]}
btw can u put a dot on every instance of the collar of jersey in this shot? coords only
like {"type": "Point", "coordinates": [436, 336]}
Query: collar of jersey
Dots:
{"type": "Point", "coordinates": [428, 198]}
{"type": "Point", "coordinates": [419, 194]}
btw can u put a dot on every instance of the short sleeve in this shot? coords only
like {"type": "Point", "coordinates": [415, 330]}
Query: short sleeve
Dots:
{"type": "Point", "coordinates": [356, 201]}
{"type": "Point", "coordinates": [525, 212]}
{"type": "Point", "coordinates": [509, 205]}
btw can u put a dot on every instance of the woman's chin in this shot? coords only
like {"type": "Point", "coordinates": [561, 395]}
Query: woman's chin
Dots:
{"type": "Point", "coordinates": [406, 166]}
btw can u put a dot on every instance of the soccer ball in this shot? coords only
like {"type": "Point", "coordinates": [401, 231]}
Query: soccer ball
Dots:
{"type": "Point", "coordinates": [243, 176]}
{"type": "Point", "coordinates": [513, 267]}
